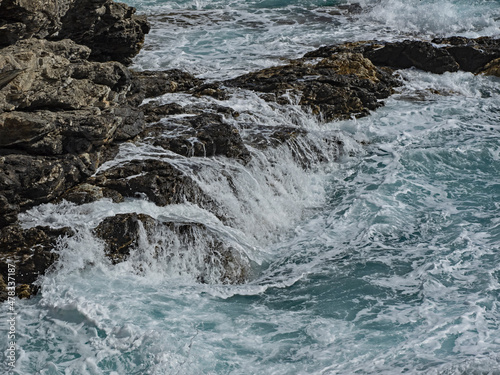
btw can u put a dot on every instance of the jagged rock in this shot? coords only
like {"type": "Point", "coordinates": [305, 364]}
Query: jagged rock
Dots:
{"type": "Point", "coordinates": [156, 83]}
{"type": "Point", "coordinates": [57, 115]}
{"type": "Point", "coordinates": [86, 193]}
{"type": "Point", "coordinates": [55, 75]}
{"type": "Point", "coordinates": [30, 250]}
{"type": "Point", "coordinates": [111, 30]}
{"type": "Point", "coordinates": [30, 18]}
{"type": "Point", "coordinates": [472, 55]}
{"type": "Point", "coordinates": [160, 181]}
{"type": "Point", "coordinates": [492, 69]}
{"type": "Point", "coordinates": [422, 55]}
{"type": "Point", "coordinates": [173, 242]}
{"type": "Point", "coordinates": [26, 180]}
{"type": "Point", "coordinates": [203, 135]}
{"type": "Point", "coordinates": [338, 87]}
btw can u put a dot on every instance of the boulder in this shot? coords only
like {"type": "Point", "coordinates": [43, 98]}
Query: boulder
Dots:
{"type": "Point", "coordinates": [31, 251]}
{"type": "Point", "coordinates": [340, 86]}
{"type": "Point", "coordinates": [157, 180]}
{"type": "Point", "coordinates": [203, 135]}
{"type": "Point", "coordinates": [201, 252]}
{"type": "Point", "coordinates": [111, 30]}
{"type": "Point", "coordinates": [472, 55]}
{"type": "Point", "coordinates": [414, 53]}
{"type": "Point", "coordinates": [27, 180]}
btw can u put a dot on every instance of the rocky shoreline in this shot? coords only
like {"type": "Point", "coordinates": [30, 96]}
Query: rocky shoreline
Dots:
{"type": "Point", "coordinates": [68, 101]}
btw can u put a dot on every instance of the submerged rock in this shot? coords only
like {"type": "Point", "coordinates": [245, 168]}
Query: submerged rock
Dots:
{"type": "Point", "coordinates": [31, 251]}
{"type": "Point", "coordinates": [202, 254]}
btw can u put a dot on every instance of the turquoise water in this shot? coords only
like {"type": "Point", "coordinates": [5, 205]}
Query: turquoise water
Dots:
{"type": "Point", "coordinates": [386, 261]}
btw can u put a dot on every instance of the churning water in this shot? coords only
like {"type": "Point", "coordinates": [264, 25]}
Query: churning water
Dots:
{"type": "Point", "coordinates": [382, 260]}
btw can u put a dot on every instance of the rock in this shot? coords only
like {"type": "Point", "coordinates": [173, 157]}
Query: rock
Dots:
{"type": "Point", "coordinates": [59, 117]}
{"type": "Point", "coordinates": [154, 111]}
{"type": "Point", "coordinates": [493, 68]}
{"type": "Point", "coordinates": [31, 251]}
{"type": "Point", "coordinates": [109, 29]}
{"type": "Point", "coordinates": [55, 75]}
{"type": "Point", "coordinates": [158, 180]}
{"type": "Point", "coordinates": [156, 83]}
{"type": "Point", "coordinates": [30, 18]}
{"type": "Point", "coordinates": [200, 250]}
{"type": "Point", "coordinates": [86, 193]}
{"type": "Point", "coordinates": [472, 55]}
{"type": "Point", "coordinates": [340, 86]}
{"type": "Point", "coordinates": [264, 136]}
{"type": "Point", "coordinates": [414, 53]}
{"type": "Point", "coordinates": [26, 180]}
{"type": "Point", "coordinates": [203, 135]}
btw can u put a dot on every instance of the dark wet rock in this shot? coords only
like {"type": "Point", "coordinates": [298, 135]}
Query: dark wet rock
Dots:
{"type": "Point", "coordinates": [172, 241]}
{"type": "Point", "coordinates": [156, 83]}
{"type": "Point", "coordinates": [31, 251]}
{"type": "Point", "coordinates": [340, 86]}
{"type": "Point", "coordinates": [264, 136]}
{"type": "Point", "coordinates": [414, 53]}
{"type": "Point", "coordinates": [214, 89]}
{"type": "Point", "coordinates": [111, 30]}
{"type": "Point", "coordinates": [27, 180]}
{"type": "Point", "coordinates": [86, 193]}
{"type": "Point", "coordinates": [203, 135]}
{"type": "Point", "coordinates": [472, 55]}
{"type": "Point", "coordinates": [158, 180]}
{"type": "Point", "coordinates": [154, 111]}
{"type": "Point", "coordinates": [439, 56]}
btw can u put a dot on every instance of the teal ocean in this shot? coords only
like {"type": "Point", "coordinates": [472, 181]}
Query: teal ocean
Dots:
{"type": "Point", "coordinates": [383, 261]}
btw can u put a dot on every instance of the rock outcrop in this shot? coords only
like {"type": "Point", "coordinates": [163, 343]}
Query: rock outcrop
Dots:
{"type": "Point", "coordinates": [437, 56]}
{"type": "Point", "coordinates": [31, 251]}
{"type": "Point", "coordinates": [340, 86]}
{"type": "Point", "coordinates": [111, 30]}
{"type": "Point", "coordinates": [57, 115]}
{"type": "Point", "coordinates": [67, 102]}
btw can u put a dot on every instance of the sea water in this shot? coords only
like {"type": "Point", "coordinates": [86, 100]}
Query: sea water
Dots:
{"type": "Point", "coordinates": [383, 259]}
